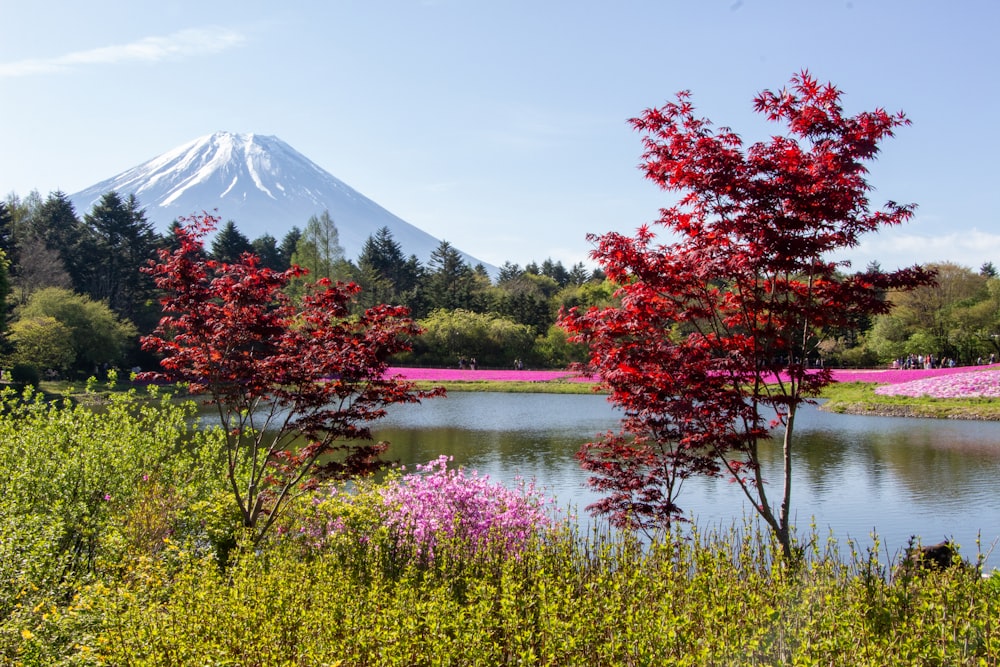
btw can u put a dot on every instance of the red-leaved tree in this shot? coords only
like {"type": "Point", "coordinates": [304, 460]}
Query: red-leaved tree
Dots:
{"type": "Point", "coordinates": [708, 353]}
{"type": "Point", "coordinates": [296, 384]}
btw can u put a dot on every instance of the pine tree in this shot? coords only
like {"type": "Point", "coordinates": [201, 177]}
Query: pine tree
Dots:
{"type": "Point", "coordinates": [287, 246]}
{"type": "Point", "coordinates": [6, 229]}
{"type": "Point", "coordinates": [125, 242]}
{"type": "Point", "coordinates": [266, 247]}
{"type": "Point", "coordinates": [451, 283]}
{"type": "Point", "coordinates": [386, 275]}
{"type": "Point", "coordinates": [4, 289]}
{"type": "Point", "coordinates": [229, 244]}
{"type": "Point", "coordinates": [55, 223]}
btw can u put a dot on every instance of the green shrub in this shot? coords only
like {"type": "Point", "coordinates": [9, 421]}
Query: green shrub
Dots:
{"type": "Point", "coordinates": [25, 374]}
{"type": "Point", "coordinates": [85, 492]}
{"type": "Point", "coordinates": [567, 600]}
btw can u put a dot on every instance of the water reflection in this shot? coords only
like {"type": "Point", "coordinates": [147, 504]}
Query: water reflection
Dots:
{"type": "Point", "coordinates": [853, 474]}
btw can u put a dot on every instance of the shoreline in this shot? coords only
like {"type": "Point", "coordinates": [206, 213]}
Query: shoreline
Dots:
{"type": "Point", "coordinates": [851, 393]}
{"type": "Point", "coordinates": [913, 411]}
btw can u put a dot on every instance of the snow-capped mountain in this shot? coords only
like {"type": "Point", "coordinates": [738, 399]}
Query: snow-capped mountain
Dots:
{"type": "Point", "coordinates": [260, 183]}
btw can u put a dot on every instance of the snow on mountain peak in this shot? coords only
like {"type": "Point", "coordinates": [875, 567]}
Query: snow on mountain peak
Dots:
{"type": "Point", "coordinates": [262, 184]}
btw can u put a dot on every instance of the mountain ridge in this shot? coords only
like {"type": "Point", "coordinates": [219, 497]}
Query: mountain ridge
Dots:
{"type": "Point", "coordinates": [263, 185]}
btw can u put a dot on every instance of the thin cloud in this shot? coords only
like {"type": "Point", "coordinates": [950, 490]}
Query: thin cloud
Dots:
{"type": "Point", "coordinates": [896, 248]}
{"type": "Point", "coordinates": [182, 44]}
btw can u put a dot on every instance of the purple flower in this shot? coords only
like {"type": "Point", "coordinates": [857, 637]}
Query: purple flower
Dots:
{"type": "Point", "coordinates": [437, 503]}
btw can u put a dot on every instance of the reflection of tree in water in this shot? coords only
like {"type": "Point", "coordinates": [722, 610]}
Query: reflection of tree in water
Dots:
{"type": "Point", "coordinates": [936, 464]}
{"type": "Point", "coordinates": [536, 453]}
{"type": "Point", "coordinates": [931, 461]}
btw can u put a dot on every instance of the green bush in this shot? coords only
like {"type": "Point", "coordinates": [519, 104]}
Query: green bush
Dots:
{"type": "Point", "coordinates": [568, 600]}
{"type": "Point", "coordinates": [25, 375]}
{"type": "Point", "coordinates": [84, 492]}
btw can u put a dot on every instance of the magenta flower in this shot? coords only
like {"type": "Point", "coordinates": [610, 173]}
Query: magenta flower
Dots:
{"type": "Point", "coordinates": [459, 375]}
{"type": "Point", "coordinates": [879, 376]}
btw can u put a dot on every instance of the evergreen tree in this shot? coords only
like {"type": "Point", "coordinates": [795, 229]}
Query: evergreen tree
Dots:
{"type": "Point", "coordinates": [287, 247]}
{"type": "Point", "coordinates": [556, 271]}
{"type": "Point", "coordinates": [56, 224]}
{"type": "Point", "coordinates": [6, 230]}
{"type": "Point", "coordinates": [4, 289]}
{"type": "Point", "coordinates": [508, 272]}
{"type": "Point", "coordinates": [170, 241]}
{"type": "Point", "coordinates": [229, 244]}
{"type": "Point", "coordinates": [526, 298]}
{"type": "Point", "coordinates": [266, 247]}
{"type": "Point", "coordinates": [579, 275]}
{"type": "Point", "coordinates": [451, 283]}
{"type": "Point", "coordinates": [386, 275]}
{"type": "Point", "coordinates": [125, 242]}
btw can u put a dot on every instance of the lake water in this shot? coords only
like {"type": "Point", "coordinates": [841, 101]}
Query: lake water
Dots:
{"type": "Point", "coordinates": [852, 474]}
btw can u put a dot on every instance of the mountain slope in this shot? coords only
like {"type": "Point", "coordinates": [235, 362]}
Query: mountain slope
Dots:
{"type": "Point", "coordinates": [263, 185]}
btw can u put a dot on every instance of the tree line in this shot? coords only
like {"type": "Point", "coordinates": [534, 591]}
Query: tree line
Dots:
{"type": "Point", "coordinates": [76, 300]}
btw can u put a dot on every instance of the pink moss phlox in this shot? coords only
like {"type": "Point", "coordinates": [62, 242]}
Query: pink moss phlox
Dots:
{"type": "Point", "coordinates": [878, 376]}
{"type": "Point", "coordinates": [459, 375]}
{"type": "Point", "coordinates": [968, 384]}
{"type": "Point", "coordinates": [436, 503]}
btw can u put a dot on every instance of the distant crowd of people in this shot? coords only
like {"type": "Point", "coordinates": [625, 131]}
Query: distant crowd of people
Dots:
{"type": "Point", "coordinates": [930, 361]}
{"type": "Point", "coordinates": [471, 364]}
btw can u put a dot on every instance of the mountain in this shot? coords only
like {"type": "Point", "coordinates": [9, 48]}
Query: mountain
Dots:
{"type": "Point", "coordinates": [263, 185]}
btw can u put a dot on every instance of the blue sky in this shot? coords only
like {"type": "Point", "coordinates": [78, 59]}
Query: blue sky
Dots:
{"type": "Point", "coordinates": [501, 125]}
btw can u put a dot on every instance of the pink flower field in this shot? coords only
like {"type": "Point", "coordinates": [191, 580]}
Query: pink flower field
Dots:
{"type": "Point", "coordinates": [459, 375]}
{"type": "Point", "coordinates": [958, 382]}
{"type": "Point", "coordinates": [970, 384]}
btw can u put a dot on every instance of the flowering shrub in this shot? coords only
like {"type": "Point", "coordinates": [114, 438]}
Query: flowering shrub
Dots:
{"type": "Point", "coordinates": [969, 384]}
{"type": "Point", "coordinates": [437, 504]}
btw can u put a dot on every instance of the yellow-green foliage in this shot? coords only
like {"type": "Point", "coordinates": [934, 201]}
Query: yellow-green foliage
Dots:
{"type": "Point", "coordinates": [114, 537]}
{"type": "Point", "coordinates": [83, 490]}
{"type": "Point", "coordinates": [711, 600]}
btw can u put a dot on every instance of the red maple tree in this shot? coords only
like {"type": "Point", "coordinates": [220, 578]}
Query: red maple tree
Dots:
{"type": "Point", "coordinates": [709, 352]}
{"type": "Point", "coordinates": [296, 384]}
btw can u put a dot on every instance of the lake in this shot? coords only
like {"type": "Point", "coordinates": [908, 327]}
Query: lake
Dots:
{"type": "Point", "coordinates": [852, 474]}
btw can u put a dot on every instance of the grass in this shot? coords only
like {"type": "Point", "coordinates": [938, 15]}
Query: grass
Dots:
{"type": "Point", "coordinates": [848, 397]}
{"type": "Point", "coordinates": [851, 397]}
{"type": "Point", "coordinates": [860, 398]}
